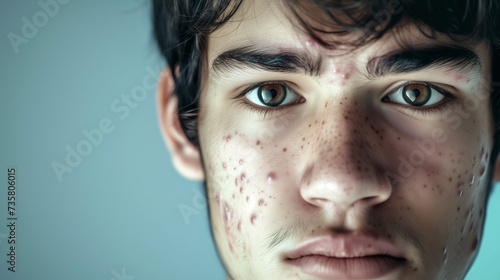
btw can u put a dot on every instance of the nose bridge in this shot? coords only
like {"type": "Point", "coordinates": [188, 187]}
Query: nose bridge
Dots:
{"type": "Point", "coordinates": [343, 169]}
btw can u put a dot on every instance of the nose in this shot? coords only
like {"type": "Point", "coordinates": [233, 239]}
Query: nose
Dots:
{"type": "Point", "coordinates": [346, 170]}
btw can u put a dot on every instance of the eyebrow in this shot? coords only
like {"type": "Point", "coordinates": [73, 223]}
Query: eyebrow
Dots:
{"type": "Point", "coordinates": [397, 62]}
{"type": "Point", "coordinates": [415, 59]}
{"type": "Point", "coordinates": [265, 59]}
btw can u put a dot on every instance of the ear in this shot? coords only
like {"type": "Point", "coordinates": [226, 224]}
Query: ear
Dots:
{"type": "Point", "coordinates": [496, 171]}
{"type": "Point", "coordinates": [185, 156]}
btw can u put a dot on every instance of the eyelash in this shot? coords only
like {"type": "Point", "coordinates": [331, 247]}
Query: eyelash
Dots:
{"type": "Point", "coordinates": [449, 100]}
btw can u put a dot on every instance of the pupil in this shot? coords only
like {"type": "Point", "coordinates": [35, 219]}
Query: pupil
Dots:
{"type": "Point", "coordinates": [417, 94]}
{"type": "Point", "coordinates": [269, 95]}
{"type": "Point", "coordinates": [272, 95]}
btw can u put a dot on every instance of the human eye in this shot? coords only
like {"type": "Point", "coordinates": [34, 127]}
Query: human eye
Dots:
{"type": "Point", "coordinates": [272, 95]}
{"type": "Point", "coordinates": [420, 96]}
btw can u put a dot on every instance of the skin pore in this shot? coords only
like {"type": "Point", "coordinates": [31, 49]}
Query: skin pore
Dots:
{"type": "Point", "coordinates": [343, 153]}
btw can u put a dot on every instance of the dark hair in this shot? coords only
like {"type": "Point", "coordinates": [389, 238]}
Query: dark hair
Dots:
{"type": "Point", "coordinates": [181, 28]}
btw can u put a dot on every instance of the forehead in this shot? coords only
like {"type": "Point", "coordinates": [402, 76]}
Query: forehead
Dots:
{"type": "Point", "coordinates": [271, 25]}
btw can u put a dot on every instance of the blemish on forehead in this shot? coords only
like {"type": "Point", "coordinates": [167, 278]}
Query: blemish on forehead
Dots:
{"type": "Point", "coordinates": [228, 138]}
{"type": "Point", "coordinates": [338, 73]}
{"type": "Point", "coordinates": [224, 165]}
{"type": "Point", "coordinates": [241, 161]}
{"type": "Point", "coordinates": [311, 43]}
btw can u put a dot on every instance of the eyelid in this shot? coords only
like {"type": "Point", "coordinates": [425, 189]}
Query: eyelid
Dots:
{"type": "Point", "coordinates": [259, 84]}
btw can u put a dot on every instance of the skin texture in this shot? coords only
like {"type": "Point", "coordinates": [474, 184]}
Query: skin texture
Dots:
{"type": "Point", "coordinates": [341, 160]}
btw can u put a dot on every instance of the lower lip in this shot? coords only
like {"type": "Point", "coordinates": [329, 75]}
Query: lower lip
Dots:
{"type": "Point", "coordinates": [347, 268]}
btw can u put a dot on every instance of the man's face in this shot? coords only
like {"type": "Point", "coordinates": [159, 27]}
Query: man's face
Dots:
{"type": "Point", "coordinates": [352, 168]}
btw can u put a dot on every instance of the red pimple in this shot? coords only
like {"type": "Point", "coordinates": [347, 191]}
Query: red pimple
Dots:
{"type": "Point", "coordinates": [241, 161]}
{"type": "Point", "coordinates": [239, 225]}
{"type": "Point", "coordinates": [261, 202]}
{"type": "Point", "coordinates": [310, 43]}
{"type": "Point", "coordinates": [271, 177]}
{"type": "Point", "coordinates": [253, 218]}
{"type": "Point", "coordinates": [242, 177]}
{"type": "Point", "coordinates": [224, 165]}
{"type": "Point", "coordinates": [241, 189]}
{"type": "Point", "coordinates": [228, 138]}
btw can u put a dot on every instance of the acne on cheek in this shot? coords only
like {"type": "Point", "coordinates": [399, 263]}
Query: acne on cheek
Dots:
{"type": "Point", "coordinates": [242, 188]}
{"type": "Point", "coordinates": [471, 193]}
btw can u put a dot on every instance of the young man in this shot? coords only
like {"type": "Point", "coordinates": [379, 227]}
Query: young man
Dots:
{"type": "Point", "coordinates": [337, 139]}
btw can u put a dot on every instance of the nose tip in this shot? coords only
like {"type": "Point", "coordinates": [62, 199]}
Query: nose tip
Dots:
{"type": "Point", "coordinates": [345, 187]}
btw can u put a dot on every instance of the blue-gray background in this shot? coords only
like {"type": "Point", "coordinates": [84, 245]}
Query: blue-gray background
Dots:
{"type": "Point", "coordinates": [116, 214]}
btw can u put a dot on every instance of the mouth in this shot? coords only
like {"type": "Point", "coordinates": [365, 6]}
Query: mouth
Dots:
{"type": "Point", "coordinates": [351, 257]}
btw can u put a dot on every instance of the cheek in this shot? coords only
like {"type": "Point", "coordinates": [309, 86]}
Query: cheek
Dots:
{"type": "Point", "coordinates": [441, 180]}
{"type": "Point", "coordinates": [242, 178]}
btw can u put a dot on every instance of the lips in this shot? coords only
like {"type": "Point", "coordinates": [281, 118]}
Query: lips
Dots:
{"type": "Point", "coordinates": [347, 257]}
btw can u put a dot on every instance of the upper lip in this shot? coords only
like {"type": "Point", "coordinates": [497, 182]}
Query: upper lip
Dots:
{"type": "Point", "coordinates": [350, 246]}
